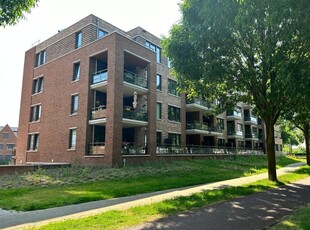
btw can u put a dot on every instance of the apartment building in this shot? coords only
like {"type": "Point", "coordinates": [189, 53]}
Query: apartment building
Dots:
{"type": "Point", "coordinates": [94, 94]}
{"type": "Point", "coordinates": [8, 139]}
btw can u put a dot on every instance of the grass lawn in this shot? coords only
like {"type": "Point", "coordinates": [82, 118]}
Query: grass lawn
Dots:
{"type": "Point", "coordinates": [298, 221]}
{"type": "Point", "coordinates": [138, 215]}
{"type": "Point", "coordinates": [59, 187]}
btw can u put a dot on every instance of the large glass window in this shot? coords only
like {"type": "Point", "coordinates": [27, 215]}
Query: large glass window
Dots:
{"type": "Point", "coordinates": [156, 49]}
{"type": "Point", "coordinates": [72, 139]}
{"type": "Point", "coordinates": [172, 87]}
{"type": "Point", "coordinates": [174, 113]}
{"type": "Point", "coordinates": [1, 147]}
{"type": "Point", "coordinates": [76, 71]}
{"type": "Point", "coordinates": [33, 141]}
{"type": "Point", "coordinates": [35, 113]}
{"type": "Point", "coordinates": [74, 103]}
{"type": "Point", "coordinates": [37, 86]}
{"type": "Point", "coordinates": [158, 82]}
{"type": "Point", "coordinates": [78, 39]}
{"type": "Point", "coordinates": [158, 111]}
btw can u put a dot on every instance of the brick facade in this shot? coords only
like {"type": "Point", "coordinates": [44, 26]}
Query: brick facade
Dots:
{"type": "Point", "coordinates": [114, 99]}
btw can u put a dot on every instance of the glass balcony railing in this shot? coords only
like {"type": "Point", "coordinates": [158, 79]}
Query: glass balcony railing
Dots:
{"type": "Point", "coordinates": [135, 79]}
{"type": "Point", "coordinates": [198, 102]}
{"type": "Point", "coordinates": [100, 76]}
{"type": "Point", "coordinates": [99, 112]}
{"type": "Point", "coordinates": [234, 133]}
{"type": "Point", "coordinates": [251, 135]}
{"type": "Point", "coordinates": [232, 112]}
{"type": "Point", "coordinates": [250, 118]}
{"type": "Point", "coordinates": [197, 125]}
{"type": "Point", "coordinates": [134, 115]}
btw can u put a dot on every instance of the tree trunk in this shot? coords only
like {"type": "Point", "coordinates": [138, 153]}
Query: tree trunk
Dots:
{"type": "Point", "coordinates": [306, 134]}
{"type": "Point", "coordinates": [271, 153]}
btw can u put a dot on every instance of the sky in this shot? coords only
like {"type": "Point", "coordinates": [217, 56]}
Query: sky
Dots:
{"type": "Point", "coordinates": [155, 16]}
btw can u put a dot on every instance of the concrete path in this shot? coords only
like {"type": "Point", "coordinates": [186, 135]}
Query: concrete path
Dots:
{"type": "Point", "coordinates": [19, 220]}
{"type": "Point", "coordinates": [252, 212]}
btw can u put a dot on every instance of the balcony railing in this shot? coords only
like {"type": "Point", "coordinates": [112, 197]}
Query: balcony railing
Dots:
{"type": "Point", "coordinates": [231, 112]}
{"type": "Point", "coordinates": [134, 115]}
{"type": "Point", "coordinates": [251, 135]}
{"type": "Point", "coordinates": [197, 125]}
{"type": "Point", "coordinates": [197, 149]}
{"type": "Point", "coordinates": [99, 112]}
{"type": "Point", "coordinates": [203, 126]}
{"type": "Point", "coordinates": [234, 133]}
{"type": "Point", "coordinates": [100, 76]}
{"type": "Point", "coordinates": [135, 79]}
{"type": "Point", "coordinates": [250, 118]}
{"type": "Point", "coordinates": [96, 148]}
{"type": "Point", "coordinates": [132, 149]}
{"type": "Point", "coordinates": [198, 102]}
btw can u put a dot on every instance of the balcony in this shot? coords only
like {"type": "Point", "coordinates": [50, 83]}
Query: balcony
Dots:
{"type": "Point", "coordinates": [251, 135]}
{"type": "Point", "coordinates": [96, 149]}
{"type": "Point", "coordinates": [234, 113]}
{"type": "Point", "coordinates": [196, 104]}
{"type": "Point", "coordinates": [250, 119]}
{"type": "Point", "coordinates": [133, 118]}
{"type": "Point", "coordinates": [236, 134]}
{"type": "Point", "coordinates": [99, 80]}
{"type": "Point", "coordinates": [197, 127]}
{"type": "Point", "coordinates": [134, 83]}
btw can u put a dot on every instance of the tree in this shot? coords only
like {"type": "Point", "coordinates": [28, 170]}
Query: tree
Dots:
{"type": "Point", "coordinates": [11, 11]}
{"type": "Point", "coordinates": [243, 50]}
{"type": "Point", "coordinates": [301, 119]}
{"type": "Point", "coordinates": [290, 134]}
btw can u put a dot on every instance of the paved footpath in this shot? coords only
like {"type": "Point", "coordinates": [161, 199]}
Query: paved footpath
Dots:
{"type": "Point", "coordinates": [20, 220]}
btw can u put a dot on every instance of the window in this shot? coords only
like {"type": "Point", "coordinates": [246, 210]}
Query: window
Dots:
{"type": "Point", "coordinates": [174, 113]}
{"type": "Point", "coordinates": [174, 138]}
{"type": "Point", "coordinates": [158, 82]}
{"type": "Point", "coordinates": [172, 87]}
{"type": "Point", "coordinates": [158, 137]}
{"type": "Point", "coordinates": [168, 63]}
{"type": "Point", "coordinates": [35, 113]}
{"type": "Point", "coordinates": [37, 86]}
{"type": "Point", "coordinates": [101, 33]}
{"type": "Point", "coordinates": [78, 40]}
{"type": "Point", "coordinates": [156, 49]}
{"type": "Point", "coordinates": [220, 123]}
{"type": "Point", "coordinates": [74, 104]}
{"type": "Point", "coordinates": [5, 135]}
{"type": "Point", "coordinates": [10, 146]}
{"type": "Point", "coordinates": [33, 142]}
{"type": "Point", "coordinates": [158, 111]}
{"type": "Point", "coordinates": [40, 58]}
{"type": "Point", "coordinates": [76, 71]}
{"type": "Point", "coordinates": [72, 138]}
{"type": "Point", "coordinates": [1, 147]}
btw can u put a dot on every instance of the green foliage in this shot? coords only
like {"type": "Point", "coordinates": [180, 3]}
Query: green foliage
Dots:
{"type": "Point", "coordinates": [252, 51]}
{"type": "Point", "coordinates": [290, 134]}
{"type": "Point", "coordinates": [141, 214]}
{"type": "Point", "coordinates": [45, 191]}
{"type": "Point", "coordinates": [298, 221]}
{"type": "Point", "coordinates": [11, 11]}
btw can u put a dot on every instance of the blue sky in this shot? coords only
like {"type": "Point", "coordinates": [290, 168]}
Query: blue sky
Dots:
{"type": "Point", "coordinates": [51, 16]}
